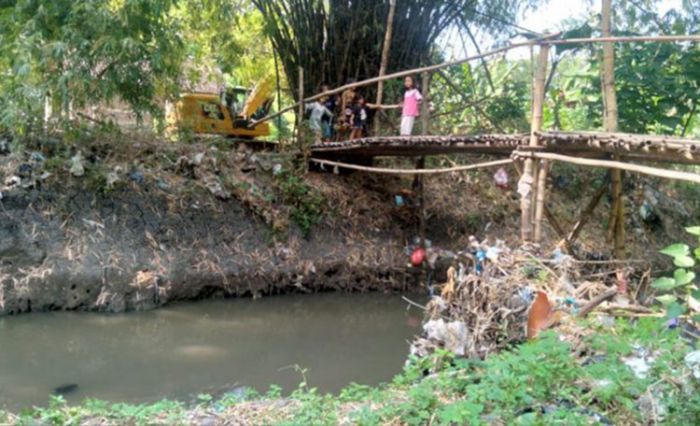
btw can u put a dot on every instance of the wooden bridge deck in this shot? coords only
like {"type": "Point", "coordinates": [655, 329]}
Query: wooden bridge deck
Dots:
{"type": "Point", "coordinates": [581, 144]}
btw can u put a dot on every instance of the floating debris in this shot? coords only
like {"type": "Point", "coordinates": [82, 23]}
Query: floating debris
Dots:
{"type": "Point", "coordinates": [77, 168]}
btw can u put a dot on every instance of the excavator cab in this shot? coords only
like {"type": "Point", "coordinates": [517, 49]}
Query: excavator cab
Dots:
{"type": "Point", "coordinates": [235, 98]}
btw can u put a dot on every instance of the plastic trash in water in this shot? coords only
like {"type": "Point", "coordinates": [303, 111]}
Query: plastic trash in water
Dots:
{"type": "Point", "coordinates": [418, 257]}
{"type": "Point", "coordinates": [573, 304]}
{"type": "Point", "coordinates": [480, 258]}
{"type": "Point", "coordinates": [76, 165]}
{"type": "Point", "coordinates": [37, 157]}
{"type": "Point", "coordinates": [526, 295]}
{"type": "Point", "coordinates": [492, 254]}
{"type": "Point", "coordinates": [417, 242]}
{"type": "Point", "coordinates": [646, 211]}
{"type": "Point", "coordinates": [137, 176]}
{"type": "Point", "coordinates": [163, 185]}
{"type": "Point", "coordinates": [24, 170]}
{"type": "Point", "coordinates": [501, 178]}
{"type": "Point", "coordinates": [692, 360]}
{"type": "Point", "coordinates": [558, 256]}
{"type": "Point", "coordinates": [398, 199]}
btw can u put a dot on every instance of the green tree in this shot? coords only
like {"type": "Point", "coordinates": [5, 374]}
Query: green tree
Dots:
{"type": "Point", "coordinates": [337, 40]}
{"type": "Point", "coordinates": [81, 52]}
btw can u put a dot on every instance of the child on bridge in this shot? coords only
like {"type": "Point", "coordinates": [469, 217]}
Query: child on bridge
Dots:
{"type": "Point", "coordinates": [411, 106]}
{"type": "Point", "coordinates": [318, 113]}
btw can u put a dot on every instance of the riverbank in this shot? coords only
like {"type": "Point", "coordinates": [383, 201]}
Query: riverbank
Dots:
{"type": "Point", "coordinates": [624, 373]}
{"type": "Point", "coordinates": [121, 222]}
{"type": "Point", "coordinates": [97, 226]}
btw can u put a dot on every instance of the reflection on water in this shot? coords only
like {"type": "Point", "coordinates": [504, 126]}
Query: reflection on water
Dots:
{"type": "Point", "coordinates": [209, 346]}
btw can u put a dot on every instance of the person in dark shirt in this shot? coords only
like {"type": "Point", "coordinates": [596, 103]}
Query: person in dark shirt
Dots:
{"type": "Point", "coordinates": [358, 118]}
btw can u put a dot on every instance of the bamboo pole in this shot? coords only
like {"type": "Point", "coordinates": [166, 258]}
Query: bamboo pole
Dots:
{"type": "Point", "coordinates": [386, 50]}
{"type": "Point", "coordinates": [541, 198]}
{"type": "Point", "coordinates": [419, 188]}
{"type": "Point", "coordinates": [547, 40]}
{"type": "Point", "coordinates": [398, 172]}
{"type": "Point", "coordinates": [425, 105]}
{"type": "Point", "coordinates": [300, 112]}
{"type": "Point", "coordinates": [616, 165]}
{"type": "Point", "coordinates": [279, 96]}
{"type": "Point", "coordinates": [610, 120]}
{"type": "Point", "coordinates": [587, 212]}
{"type": "Point", "coordinates": [527, 186]}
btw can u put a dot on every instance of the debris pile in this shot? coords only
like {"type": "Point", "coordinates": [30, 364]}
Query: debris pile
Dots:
{"type": "Point", "coordinates": [496, 296]}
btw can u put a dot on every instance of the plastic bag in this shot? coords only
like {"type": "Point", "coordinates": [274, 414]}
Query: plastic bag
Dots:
{"type": "Point", "coordinates": [500, 178]}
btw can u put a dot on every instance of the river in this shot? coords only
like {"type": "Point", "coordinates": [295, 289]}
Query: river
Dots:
{"type": "Point", "coordinates": [205, 347]}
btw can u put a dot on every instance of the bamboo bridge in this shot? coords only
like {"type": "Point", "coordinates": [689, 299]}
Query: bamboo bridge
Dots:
{"type": "Point", "coordinates": [531, 154]}
{"type": "Point", "coordinates": [643, 148]}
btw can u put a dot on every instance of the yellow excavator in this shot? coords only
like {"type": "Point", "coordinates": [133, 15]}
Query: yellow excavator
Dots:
{"type": "Point", "coordinates": [229, 113]}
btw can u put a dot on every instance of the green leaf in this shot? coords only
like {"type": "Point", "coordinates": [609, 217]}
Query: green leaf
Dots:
{"type": "Point", "coordinates": [683, 277]}
{"type": "Point", "coordinates": [697, 253]}
{"type": "Point", "coordinates": [693, 230]}
{"type": "Point", "coordinates": [667, 299]}
{"type": "Point", "coordinates": [684, 261]}
{"type": "Point", "coordinates": [675, 310]}
{"type": "Point", "coordinates": [664, 284]}
{"type": "Point", "coordinates": [676, 250]}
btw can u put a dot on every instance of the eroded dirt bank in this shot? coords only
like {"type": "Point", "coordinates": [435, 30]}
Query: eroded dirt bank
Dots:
{"type": "Point", "coordinates": [135, 231]}
{"type": "Point", "coordinates": [115, 225]}
{"type": "Point", "coordinates": [129, 251]}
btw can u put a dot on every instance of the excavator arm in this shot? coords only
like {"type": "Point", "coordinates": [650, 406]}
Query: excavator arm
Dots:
{"type": "Point", "coordinates": [258, 97]}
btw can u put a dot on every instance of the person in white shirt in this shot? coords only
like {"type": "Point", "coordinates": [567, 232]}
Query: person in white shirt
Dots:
{"type": "Point", "coordinates": [318, 113]}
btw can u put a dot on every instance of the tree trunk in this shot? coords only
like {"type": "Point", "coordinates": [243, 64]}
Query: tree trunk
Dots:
{"type": "Point", "coordinates": [386, 50]}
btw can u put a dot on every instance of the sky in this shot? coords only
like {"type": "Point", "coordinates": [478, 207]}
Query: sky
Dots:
{"type": "Point", "coordinates": [545, 19]}
{"type": "Point", "coordinates": [548, 17]}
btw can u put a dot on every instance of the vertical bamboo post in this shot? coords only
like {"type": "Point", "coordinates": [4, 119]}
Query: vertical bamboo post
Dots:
{"type": "Point", "coordinates": [279, 96]}
{"type": "Point", "coordinates": [300, 113]}
{"type": "Point", "coordinates": [527, 186]}
{"type": "Point", "coordinates": [610, 120]}
{"type": "Point", "coordinates": [419, 188]}
{"type": "Point", "coordinates": [541, 198]}
{"type": "Point", "coordinates": [419, 182]}
{"type": "Point", "coordinates": [425, 105]}
{"type": "Point", "coordinates": [385, 57]}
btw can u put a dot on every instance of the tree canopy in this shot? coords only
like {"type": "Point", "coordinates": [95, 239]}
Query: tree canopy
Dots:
{"type": "Point", "coordinates": [143, 52]}
{"type": "Point", "coordinates": [337, 40]}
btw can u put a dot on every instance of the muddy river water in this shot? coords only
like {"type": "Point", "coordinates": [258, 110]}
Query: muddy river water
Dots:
{"type": "Point", "coordinates": [205, 347]}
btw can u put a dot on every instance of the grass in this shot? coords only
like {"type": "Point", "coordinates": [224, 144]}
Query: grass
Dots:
{"type": "Point", "coordinates": [541, 382]}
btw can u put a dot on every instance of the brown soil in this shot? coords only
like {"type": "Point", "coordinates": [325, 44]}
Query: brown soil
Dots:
{"type": "Point", "coordinates": [179, 226]}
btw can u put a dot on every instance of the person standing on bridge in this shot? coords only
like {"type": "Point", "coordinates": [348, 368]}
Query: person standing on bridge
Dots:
{"type": "Point", "coordinates": [318, 113]}
{"type": "Point", "coordinates": [411, 106]}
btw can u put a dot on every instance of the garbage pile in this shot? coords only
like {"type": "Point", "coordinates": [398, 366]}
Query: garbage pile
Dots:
{"type": "Point", "coordinates": [495, 296]}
